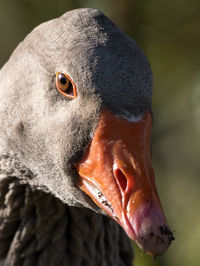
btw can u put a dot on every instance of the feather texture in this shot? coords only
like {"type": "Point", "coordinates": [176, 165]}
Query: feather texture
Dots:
{"type": "Point", "coordinates": [38, 229]}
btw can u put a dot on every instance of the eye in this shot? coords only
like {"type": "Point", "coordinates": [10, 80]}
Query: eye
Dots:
{"type": "Point", "coordinates": [65, 85]}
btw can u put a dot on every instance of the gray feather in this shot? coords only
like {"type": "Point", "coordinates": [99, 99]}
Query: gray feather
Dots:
{"type": "Point", "coordinates": [38, 229]}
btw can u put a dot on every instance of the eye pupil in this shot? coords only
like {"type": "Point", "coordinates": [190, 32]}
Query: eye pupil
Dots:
{"type": "Point", "coordinates": [63, 80]}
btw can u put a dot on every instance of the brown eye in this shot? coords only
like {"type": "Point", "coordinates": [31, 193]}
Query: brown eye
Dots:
{"type": "Point", "coordinates": [65, 85]}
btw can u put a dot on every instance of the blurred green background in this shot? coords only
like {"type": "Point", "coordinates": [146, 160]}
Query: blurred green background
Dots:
{"type": "Point", "coordinates": [169, 34]}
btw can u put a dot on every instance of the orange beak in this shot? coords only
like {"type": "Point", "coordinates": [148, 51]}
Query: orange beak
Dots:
{"type": "Point", "coordinates": [116, 173]}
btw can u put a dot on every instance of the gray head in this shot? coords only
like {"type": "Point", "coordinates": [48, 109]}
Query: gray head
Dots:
{"type": "Point", "coordinates": [48, 133]}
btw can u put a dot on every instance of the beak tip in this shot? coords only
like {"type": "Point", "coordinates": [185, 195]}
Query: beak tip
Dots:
{"type": "Point", "coordinates": [155, 243]}
{"type": "Point", "coordinates": [151, 232]}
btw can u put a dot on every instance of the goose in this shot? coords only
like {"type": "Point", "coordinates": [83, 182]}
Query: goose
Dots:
{"type": "Point", "coordinates": [76, 181]}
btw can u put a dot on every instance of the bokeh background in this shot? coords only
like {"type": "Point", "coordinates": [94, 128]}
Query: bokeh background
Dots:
{"type": "Point", "coordinates": [169, 34]}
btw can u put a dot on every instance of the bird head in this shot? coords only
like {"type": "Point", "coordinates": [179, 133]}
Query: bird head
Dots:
{"type": "Point", "coordinates": [76, 111]}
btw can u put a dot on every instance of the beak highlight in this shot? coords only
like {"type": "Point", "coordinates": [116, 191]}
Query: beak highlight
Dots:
{"type": "Point", "coordinates": [116, 173]}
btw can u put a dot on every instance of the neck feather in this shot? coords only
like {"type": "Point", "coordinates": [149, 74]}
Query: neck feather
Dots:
{"type": "Point", "coordinates": [38, 229]}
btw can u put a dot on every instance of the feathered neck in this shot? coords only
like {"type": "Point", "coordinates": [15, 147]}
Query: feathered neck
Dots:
{"type": "Point", "coordinates": [38, 229]}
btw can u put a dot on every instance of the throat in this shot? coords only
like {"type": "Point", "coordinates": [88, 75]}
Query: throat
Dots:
{"type": "Point", "coordinates": [38, 229]}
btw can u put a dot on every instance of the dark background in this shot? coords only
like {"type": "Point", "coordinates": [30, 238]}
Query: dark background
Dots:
{"type": "Point", "coordinates": [169, 34]}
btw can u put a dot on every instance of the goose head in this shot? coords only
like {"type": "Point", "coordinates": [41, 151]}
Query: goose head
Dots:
{"type": "Point", "coordinates": [76, 111]}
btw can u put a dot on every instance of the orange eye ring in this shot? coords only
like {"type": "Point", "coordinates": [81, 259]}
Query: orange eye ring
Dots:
{"type": "Point", "coordinates": [65, 85]}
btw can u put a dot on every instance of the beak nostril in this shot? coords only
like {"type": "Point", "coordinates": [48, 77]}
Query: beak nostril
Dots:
{"type": "Point", "coordinates": [121, 179]}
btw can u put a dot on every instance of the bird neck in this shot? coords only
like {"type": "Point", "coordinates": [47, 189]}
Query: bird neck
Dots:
{"type": "Point", "coordinates": [38, 229]}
